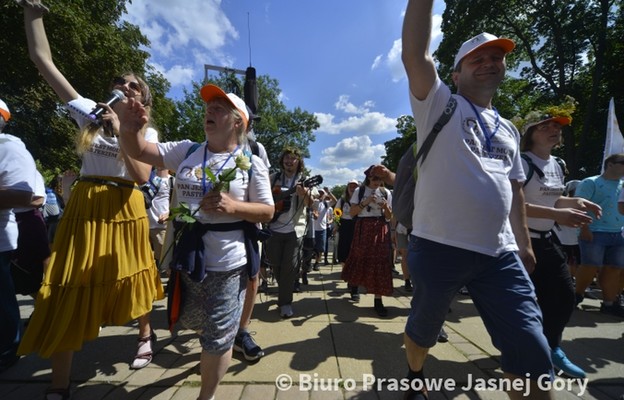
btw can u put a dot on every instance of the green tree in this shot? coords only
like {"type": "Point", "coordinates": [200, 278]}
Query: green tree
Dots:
{"type": "Point", "coordinates": [397, 146]}
{"type": "Point", "coordinates": [90, 45]}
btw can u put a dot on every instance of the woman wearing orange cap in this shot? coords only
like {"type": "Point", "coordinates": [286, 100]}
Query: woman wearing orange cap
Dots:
{"type": "Point", "coordinates": [545, 207]}
{"type": "Point", "coordinates": [227, 191]}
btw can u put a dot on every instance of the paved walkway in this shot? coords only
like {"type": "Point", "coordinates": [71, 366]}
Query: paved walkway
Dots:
{"type": "Point", "coordinates": [331, 349]}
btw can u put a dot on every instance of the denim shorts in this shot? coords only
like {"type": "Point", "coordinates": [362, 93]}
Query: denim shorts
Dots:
{"type": "Point", "coordinates": [502, 294]}
{"type": "Point", "coordinates": [319, 240]}
{"type": "Point", "coordinates": [607, 248]}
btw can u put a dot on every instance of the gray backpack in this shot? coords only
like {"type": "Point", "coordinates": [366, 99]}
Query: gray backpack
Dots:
{"type": "Point", "coordinates": [407, 171]}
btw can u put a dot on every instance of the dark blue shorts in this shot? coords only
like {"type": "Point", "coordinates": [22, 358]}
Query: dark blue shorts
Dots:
{"type": "Point", "coordinates": [501, 291]}
{"type": "Point", "coordinates": [320, 237]}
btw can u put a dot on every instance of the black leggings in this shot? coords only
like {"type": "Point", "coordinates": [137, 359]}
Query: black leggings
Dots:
{"type": "Point", "coordinates": [554, 288]}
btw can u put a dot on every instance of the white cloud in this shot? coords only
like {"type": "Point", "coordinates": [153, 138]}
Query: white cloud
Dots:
{"type": "Point", "coordinates": [362, 119]}
{"type": "Point", "coordinates": [371, 123]}
{"type": "Point", "coordinates": [355, 150]}
{"type": "Point", "coordinates": [377, 62]}
{"type": "Point", "coordinates": [338, 176]}
{"type": "Point", "coordinates": [347, 160]}
{"type": "Point", "coordinates": [394, 63]}
{"type": "Point", "coordinates": [179, 75]}
{"type": "Point", "coordinates": [343, 104]}
{"type": "Point", "coordinates": [178, 29]}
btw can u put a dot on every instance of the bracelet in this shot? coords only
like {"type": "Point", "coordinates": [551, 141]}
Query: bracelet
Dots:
{"type": "Point", "coordinates": [361, 205]}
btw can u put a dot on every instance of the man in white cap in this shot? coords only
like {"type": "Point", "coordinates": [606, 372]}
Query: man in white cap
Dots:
{"type": "Point", "coordinates": [469, 223]}
{"type": "Point", "coordinates": [5, 114]}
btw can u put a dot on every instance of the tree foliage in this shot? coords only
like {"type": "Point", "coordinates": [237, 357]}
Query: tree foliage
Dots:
{"type": "Point", "coordinates": [90, 45]}
{"type": "Point", "coordinates": [564, 48]}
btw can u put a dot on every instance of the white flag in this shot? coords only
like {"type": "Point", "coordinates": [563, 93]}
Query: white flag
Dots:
{"type": "Point", "coordinates": [614, 142]}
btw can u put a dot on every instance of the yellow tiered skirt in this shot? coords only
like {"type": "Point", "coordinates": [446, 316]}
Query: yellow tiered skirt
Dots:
{"type": "Point", "coordinates": [101, 272]}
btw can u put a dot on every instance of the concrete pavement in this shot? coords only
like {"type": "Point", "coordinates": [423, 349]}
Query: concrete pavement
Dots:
{"type": "Point", "coordinates": [330, 349]}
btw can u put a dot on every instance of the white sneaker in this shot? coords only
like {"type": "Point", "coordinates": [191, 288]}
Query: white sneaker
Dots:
{"type": "Point", "coordinates": [286, 311]}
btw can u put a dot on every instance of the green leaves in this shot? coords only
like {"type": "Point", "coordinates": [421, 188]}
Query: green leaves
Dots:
{"type": "Point", "coordinates": [183, 213]}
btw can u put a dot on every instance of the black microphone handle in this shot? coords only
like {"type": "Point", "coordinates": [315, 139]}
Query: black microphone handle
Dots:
{"type": "Point", "coordinates": [97, 112]}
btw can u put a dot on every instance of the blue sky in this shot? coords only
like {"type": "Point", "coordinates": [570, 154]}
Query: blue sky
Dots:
{"type": "Point", "coordinates": [337, 59]}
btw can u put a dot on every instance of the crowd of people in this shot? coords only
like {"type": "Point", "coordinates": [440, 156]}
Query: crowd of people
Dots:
{"type": "Point", "coordinates": [490, 219]}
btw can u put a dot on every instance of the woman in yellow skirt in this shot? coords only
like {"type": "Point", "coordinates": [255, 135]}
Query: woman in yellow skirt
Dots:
{"type": "Point", "coordinates": [102, 270]}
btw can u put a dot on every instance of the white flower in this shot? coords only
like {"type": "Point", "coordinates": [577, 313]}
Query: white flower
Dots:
{"type": "Point", "coordinates": [243, 162]}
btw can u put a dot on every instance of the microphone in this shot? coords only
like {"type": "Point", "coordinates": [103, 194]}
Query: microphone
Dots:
{"type": "Point", "coordinates": [97, 112]}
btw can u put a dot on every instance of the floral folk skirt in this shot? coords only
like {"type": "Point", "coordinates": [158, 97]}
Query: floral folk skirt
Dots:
{"type": "Point", "coordinates": [369, 262]}
{"type": "Point", "coordinates": [101, 272]}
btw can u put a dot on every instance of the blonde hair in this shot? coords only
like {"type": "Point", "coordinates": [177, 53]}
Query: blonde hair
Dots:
{"type": "Point", "coordinates": [85, 137]}
{"type": "Point", "coordinates": [242, 132]}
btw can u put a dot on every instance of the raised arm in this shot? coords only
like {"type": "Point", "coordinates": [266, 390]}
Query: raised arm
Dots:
{"type": "Point", "coordinates": [132, 119]}
{"type": "Point", "coordinates": [41, 55]}
{"type": "Point", "coordinates": [416, 37]}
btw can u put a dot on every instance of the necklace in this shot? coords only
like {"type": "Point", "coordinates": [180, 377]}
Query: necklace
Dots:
{"type": "Point", "coordinates": [486, 132]}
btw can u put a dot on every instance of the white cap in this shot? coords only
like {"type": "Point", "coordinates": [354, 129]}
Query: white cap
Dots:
{"type": "Point", "coordinates": [211, 92]}
{"type": "Point", "coordinates": [483, 40]}
{"type": "Point", "coordinates": [4, 111]}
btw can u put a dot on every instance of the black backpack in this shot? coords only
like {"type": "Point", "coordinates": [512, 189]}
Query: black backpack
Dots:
{"type": "Point", "coordinates": [533, 169]}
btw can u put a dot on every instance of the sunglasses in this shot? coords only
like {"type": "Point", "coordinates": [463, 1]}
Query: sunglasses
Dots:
{"type": "Point", "coordinates": [121, 81]}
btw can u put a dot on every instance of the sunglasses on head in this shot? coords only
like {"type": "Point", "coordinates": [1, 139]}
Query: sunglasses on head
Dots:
{"type": "Point", "coordinates": [121, 81]}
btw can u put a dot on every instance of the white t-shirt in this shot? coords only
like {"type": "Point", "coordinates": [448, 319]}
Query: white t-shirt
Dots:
{"type": "Point", "coordinates": [17, 172]}
{"type": "Point", "coordinates": [324, 210]}
{"type": "Point", "coordinates": [345, 207]}
{"type": "Point", "coordinates": [463, 194]}
{"type": "Point", "coordinates": [567, 235]}
{"type": "Point", "coordinates": [102, 157]}
{"type": "Point", "coordinates": [374, 208]}
{"type": "Point", "coordinates": [543, 191]}
{"type": "Point", "coordinates": [160, 203]}
{"type": "Point", "coordinates": [39, 192]}
{"type": "Point", "coordinates": [223, 251]}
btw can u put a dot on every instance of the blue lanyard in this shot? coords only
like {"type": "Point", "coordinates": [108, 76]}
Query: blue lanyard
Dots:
{"type": "Point", "coordinates": [486, 132]}
{"type": "Point", "coordinates": [207, 186]}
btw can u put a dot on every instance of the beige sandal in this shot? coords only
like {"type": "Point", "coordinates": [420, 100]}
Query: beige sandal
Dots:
{"type": "Point", "coordinates": [144, 353]}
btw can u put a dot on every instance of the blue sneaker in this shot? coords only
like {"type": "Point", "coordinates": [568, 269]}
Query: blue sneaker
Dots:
{"type": "Point", "coordinates": [244, 343]}
{"type": "Point", "coordinates": [561, 361]}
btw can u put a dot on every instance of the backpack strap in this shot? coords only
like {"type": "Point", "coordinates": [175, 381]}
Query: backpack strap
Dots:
{"type": "Point", "coordinates": [192, 149]}
{"type": "Point", "coordinates": [562, 164]}
{"type": "Point", "coordinates": [444, 118]}
{"type": "Point", "coordinates": [384, 192]}
{"type": "Point", "coordinates": [361, 193]}
{"type": "Point", "coordinates": [255, 149]}
{"type": "Point", "coordinates": [532, 169]}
